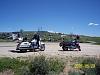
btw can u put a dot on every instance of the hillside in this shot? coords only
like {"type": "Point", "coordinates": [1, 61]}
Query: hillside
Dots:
{"type": "Point", "coordinates": [48, 36]}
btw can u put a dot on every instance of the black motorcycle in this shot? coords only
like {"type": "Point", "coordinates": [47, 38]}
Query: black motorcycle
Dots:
{"type": "Point", "coordinates": [71, 45]}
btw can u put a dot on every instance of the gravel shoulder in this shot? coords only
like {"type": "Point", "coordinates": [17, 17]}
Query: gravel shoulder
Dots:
{"type": "Point", "coordinates": [8, 49]}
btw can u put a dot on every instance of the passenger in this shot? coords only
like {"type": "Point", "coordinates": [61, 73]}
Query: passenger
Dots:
{"type": "Point", "coordinates": [37, 37]}
{"type": "Point", "coordinates": [24, 39]}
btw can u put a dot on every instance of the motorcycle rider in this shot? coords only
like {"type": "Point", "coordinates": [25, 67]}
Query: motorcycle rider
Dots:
{"type": "Point", "coordinates": [37, 37]}
{"type": "Point", "coordinates": [24, 39]}
{"type": "Point", "coordinates": [78, 37]}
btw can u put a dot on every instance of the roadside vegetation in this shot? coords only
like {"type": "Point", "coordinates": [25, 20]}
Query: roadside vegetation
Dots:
{"type": "Point", "coordinates": [41, 65]}
{"type": "Point", "coordinates": [38, 65]}
{"type": "Point", "coordinates": [85, 66]}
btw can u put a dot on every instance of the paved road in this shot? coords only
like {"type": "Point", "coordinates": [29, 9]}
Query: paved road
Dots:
{"type": "Point", "coordinates": [8, 49]}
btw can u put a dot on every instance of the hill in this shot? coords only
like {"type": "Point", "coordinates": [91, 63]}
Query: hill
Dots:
{"type": "Point", "coordinates": [49, 36]}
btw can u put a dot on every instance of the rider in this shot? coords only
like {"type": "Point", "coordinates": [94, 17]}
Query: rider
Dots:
{"type": "Point", "coordinates": [37, 37]}
{"type": "Point", "coordinates": [78, 37]}
{"type": "Point", "coordinates": [24, 39]}
{"type": "Point", "coordinates": [76, 40]}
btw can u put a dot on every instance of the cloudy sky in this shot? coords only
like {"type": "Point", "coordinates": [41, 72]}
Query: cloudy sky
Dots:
{"type": "Point", "coordinates": [66, 16]}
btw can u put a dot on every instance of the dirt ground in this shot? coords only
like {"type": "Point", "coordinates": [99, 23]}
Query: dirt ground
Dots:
{"type": "Point", "coordinates": [8, 49]}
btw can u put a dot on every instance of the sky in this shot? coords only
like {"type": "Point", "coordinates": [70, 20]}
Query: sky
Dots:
{"type": "Point", "coordinates": [66, 16]}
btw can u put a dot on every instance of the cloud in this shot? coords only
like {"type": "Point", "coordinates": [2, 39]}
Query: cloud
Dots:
{"type": "Point", "coordinates": [96, 24]}
{"type": "Point", "coordinates": [51, 31]}
{"type": "Point", "coordinates": [90, 24]}
{"type": "Point", "coordinates": [93, 24]}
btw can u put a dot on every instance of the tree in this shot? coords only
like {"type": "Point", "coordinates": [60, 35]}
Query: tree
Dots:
{"type": "Point", "coordinates": [21, 32]}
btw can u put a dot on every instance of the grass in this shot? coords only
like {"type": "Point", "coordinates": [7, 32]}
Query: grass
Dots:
{"type": "Point", "coordinates": [74, 73]}
{"type": "Point", "coordinates": [43, 66]}
{"type": "Point", "coordinates": [11, 64]}
{"type": "Point", "coordinates": [88, 70]}
{"type": "Point", "coordinates": [39, 65]}
{"type": "Point", "coordinates": [56, 65]}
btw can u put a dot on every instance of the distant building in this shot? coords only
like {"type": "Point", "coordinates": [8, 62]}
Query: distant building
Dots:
{"type": "Point", "coordinates": [63, 35]}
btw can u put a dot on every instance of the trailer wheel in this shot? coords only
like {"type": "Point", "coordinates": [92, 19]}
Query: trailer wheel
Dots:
{"type": "Point", "coordinates": [42, 48]}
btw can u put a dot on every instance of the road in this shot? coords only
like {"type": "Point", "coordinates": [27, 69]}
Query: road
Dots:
{"type": "Point", "coordinates": [8, 49]}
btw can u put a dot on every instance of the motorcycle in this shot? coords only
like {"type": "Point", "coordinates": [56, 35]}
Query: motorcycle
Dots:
{"type": "Point", "coordinates": [69, 45]}
{"type": "Point", "coordinates": [32, 46]}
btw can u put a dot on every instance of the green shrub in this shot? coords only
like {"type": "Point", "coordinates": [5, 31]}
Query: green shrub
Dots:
{"type": "Point", "coordinates": [73, 73]}
{"type": "Point", "coordinates": [8, 63]}
{"type": "Point", "coordinates": [39, 66]}
{"type": "Point", "coordinates": [89, 71]}
{"type": "Point", "coordinates": [56, 65]}
{"type": "Point", "coordinates": [43, 66]}
{"type": "Point", "coordinates": [89, 61]}
{"type": "Point", "coordinates": [24, 70]}
{"type": "Point", "coordinates": [11, 63]}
